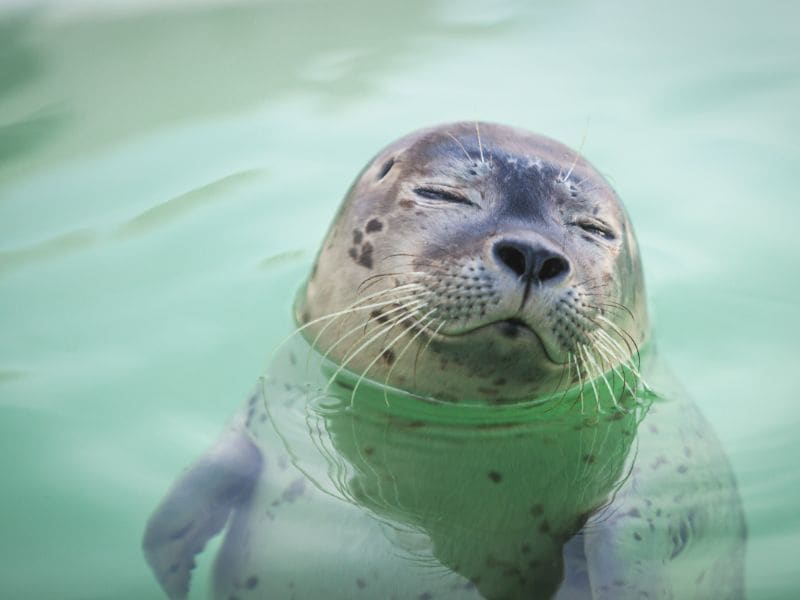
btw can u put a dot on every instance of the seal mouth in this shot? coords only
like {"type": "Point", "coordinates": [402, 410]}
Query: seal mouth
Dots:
{"type": "Point", "coordinates": [512, 328]}
{"type": "Point", "coordinates": [515, 327]}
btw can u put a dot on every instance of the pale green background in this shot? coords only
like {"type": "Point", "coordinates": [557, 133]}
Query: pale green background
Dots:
{"type": "Point", "coordinates": [166, 176]}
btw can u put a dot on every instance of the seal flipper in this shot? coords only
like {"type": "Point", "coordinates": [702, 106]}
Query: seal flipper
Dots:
{"type": "Point", "coordinates": [197, 507]}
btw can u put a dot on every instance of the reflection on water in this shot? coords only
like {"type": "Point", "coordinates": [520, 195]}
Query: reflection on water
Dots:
{"type": "Point", "coordinates": [334, 492]}
{"type": "Point", "coordinates": [122, 354]}
{"type": "Point", "coordinates": [20, 63]}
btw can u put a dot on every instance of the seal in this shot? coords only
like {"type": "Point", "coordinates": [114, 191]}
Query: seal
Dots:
{"type": "Point", "coordinates": [471, 408]}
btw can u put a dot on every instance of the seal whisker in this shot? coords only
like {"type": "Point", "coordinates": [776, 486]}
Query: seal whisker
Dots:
{"type": "Point", "coordinates": [480, 145]}
{"type": "Point", "coordinates": [428, 343]}
{"type": "Point", "coordinates": [577, 156]}
{"type": "Point", "coordinates": [600, 373]}
{"type": "Point", "coordinates": [378, 356]}
{"type": "Point", "coordinates": [404, 310]}
{"type": "Point", "coordinates": [623, 353]}
{"type": "Point", "coordinates": [583, 351]}
{"type": "Point", "coordinates": [422, 327]}
{"type": "Point", "coordinates": [456, 140]}
{"type": "Point", "coordinates": [567, 386]}
{"type": "Point", "coordinates": [581, 380]}
{"type": "Point", "coordinates": [628, 362]}
{"type": "Point", "coordinates": [373, 279]}
{"type": "Point", "coordinates": [388, 302]}
{"type": "Point", "coordinates": [350, 309]}
{"type": "Point", "coordinates": [610, 303]}
{"type": "Point", "coordinates": [611, 356]}
{"type": "Point", "coordinates": [624, 335]}
{"type": "Point", "coordinates": [351, 355]}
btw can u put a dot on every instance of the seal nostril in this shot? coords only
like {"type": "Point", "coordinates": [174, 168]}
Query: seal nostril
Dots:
{"type": "Point", "coordinates": [531, 262]}
{"type": "Point", "coordinates": [513, 258]}
{"type": "Point", "coordinates": [552, 267]}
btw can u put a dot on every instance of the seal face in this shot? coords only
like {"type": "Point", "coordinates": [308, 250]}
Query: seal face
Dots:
{"type": "Point", "coordinates": [475, 240]}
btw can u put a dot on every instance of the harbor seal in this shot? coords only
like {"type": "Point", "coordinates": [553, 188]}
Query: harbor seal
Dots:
{"type": "Point", "coordinates": [471, 407]}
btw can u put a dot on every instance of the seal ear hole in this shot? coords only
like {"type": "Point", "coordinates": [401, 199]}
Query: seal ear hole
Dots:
{"type": "Point", "coordinates": [387, 166]}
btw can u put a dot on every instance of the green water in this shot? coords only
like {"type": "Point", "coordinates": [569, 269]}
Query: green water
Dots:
{"type": "Point", "coordinates": [166, 176]}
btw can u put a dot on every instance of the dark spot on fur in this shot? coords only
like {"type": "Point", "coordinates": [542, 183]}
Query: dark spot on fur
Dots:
{"type": "Point", "coordinates": [495, 476]}
{"type": "Point", "coordinates": [488, 391]}
{"type": "Point", "coordinates": [374, 225]}
{"type": "Point", "coordinates": [660, 460]}
{"type": "Point", "coordinates": [378, 316]}
{"type": "Point", "coordinates": [499, 381]}
{"type": "Point", "coordinates": [369, 450]}
{"type": "Point", "coordinates": [292, 358]}
{"type": "Point", "coordinates": [537, 510]}
{"type": "Point", "coordinates": [361, 584]}
{"type": "Point", "coordinates": [353, 253]}
{"type": "Point", "coordinates": [682, 469]}
{"type": "Point", "coordinates": [358, 237]}
{"type": "Point", "coordinates": [294, 491]}
{"type": "Point", "coordinates": [251, 582]}
{"type": "Point", "coordinates": [387, 166]}
{"type": "Point", "coordinates": [424, 596]}
{"type": "Point", "coordinates": [637, 537]}
{"type": "Point", "coordinates": [634, 512]}
{"type": "Point", "coordinates": [388, 356]}
{"type": "Point", "coordinates": [526, 548]}
{"type": "Point", "coordinates": [406, 203]}
{"type": "Point", "coordinates": [544, 527]}
{"type": "Point", "coordinates": [416, 424]}
{"type": "Point", "coordinates": [588, 459]}
{"type": "Point", "coordinates": [365, 260]}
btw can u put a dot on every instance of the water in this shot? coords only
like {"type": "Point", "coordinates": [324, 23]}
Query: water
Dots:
{"type": "Point", "coordinates": [148, 258]}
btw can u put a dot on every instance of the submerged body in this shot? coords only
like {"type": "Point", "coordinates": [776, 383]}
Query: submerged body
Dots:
{"type": "Point", "coordinates": [465, 413]}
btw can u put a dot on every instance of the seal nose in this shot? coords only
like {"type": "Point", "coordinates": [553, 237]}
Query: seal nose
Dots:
{"type": "Point", "coordinates": [531, 262]}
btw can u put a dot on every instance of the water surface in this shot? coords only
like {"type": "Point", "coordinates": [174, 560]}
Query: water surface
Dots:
{"type": "Point", "coordinates": [166, 176]}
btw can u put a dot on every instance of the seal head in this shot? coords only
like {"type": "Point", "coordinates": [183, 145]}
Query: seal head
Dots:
{"type": "Point", "coordinates": [474, 261]}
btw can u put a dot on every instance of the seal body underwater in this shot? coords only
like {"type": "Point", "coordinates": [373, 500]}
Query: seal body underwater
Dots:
{"type": "Point", "coordinates": [472, 406]}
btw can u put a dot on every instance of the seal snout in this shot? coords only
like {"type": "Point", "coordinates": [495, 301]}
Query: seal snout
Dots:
{"type": "Point", "coordinates": [531, 261]}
